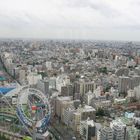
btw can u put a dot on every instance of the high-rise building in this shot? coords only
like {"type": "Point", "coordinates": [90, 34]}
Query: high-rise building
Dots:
{"type": "Point", "coordinates": [43, 85]}
{"type": "Point", "coordinates": [83, 87]}
{"type": "Point", "coordinates": [68, 113]}
{"type": "Point", "coordinates": [76, 118]}
{"type": "Point", "coordinates": [124, 84]}
{"type": "Point", "coordinates": [119, 129]}
{"type": "Point", "coordinates": [49, 65]}
{"type": "Point", "coordinates": [33, 78]}
{"type": "Point", "coordinates": [88, 97]}
{"type": "Point", "coordinates": [132, 133]}
{"type": "Point", "coordinates": [87, 112]}
{"type": "Point", "coordinates": [135, 81]}
{"type": "Point", "coordinates": [61, 103]}
{"type": "Point", "coordinates": [87, 129]}
{"type": "Point", "coordinates": [62, 80]}
{"type": "Point", "coordinates": [105, 133]}
{"type": "Point", "coordinates": [22, 76]}
{"type": "Point", "coordinates": [67, 90]}
{"type": "Point", "coordinates": [52, 83]}
{"type": "Point", "coordinates": [137, 92]}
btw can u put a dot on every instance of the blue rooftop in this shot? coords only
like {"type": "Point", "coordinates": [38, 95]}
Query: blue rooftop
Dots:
{"type": "Point", "coordinates": [2, 78]}
{"type": "Point", "coordinates": [4, 90]}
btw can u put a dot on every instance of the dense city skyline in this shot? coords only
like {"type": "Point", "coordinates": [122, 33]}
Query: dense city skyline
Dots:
{"type": "Point", "coordinates": [69, 90]}
{"type": "Point", "coordinates": [75, 19]}
{"type": "Point", "coordinates": [69, 70]}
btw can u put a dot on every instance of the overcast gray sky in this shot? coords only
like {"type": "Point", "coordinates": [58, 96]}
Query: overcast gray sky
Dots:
{"type": "Point", "coordinates": [71, 19]}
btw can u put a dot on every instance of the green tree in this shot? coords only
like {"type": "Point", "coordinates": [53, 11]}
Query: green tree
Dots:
{"type": "Point", "coordinates": [103, 70]}
{"type": "Point", "coordinates": [100, 112]}
{"type": "Point", "coordinates": [2, 137]}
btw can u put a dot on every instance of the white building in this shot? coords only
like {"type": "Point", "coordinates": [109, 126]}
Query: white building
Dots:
{"type": "Point", "coordinates": [131, 63]}
{"type": "Point", "coordinates": [87, 112]}
{"type": "Point", "coordinates": [87, 129]}
{"type": "Point", "coordinates": [68, 113]}
{"type": "Point", "coordinates": [120, 100]}
{"type": "Point", "coordinates": [105, 133]}
{"type": "Point", "coordinates": [83, 86]}
{"type": "Point", "coordinates": [132, 133]}
{"type": "Point", "coordinates": [52, 82]}
{"type": "Point", "coordinates": [119, 129]}
{"type": "Point", "coordinates": [137, 92]}
{"type": "Point", "coordinates": [76, 119]}
{"type": "Point", "coordinates": [22, 76]}
{"type": "Point", "coordinates": [61, 103]}
{"type": "Point", "coordinates": [88, 97]}
{"type": "Point", "coordinates": [130, 93]}
{"type": "Point", "coordinates": [33, 78]}
{"type": "Point", "coordinates": [62, 80]}
{"type": "Point", "coordinates": [49, 65]}
{"type": "Point", "coordinates": [98, 91]}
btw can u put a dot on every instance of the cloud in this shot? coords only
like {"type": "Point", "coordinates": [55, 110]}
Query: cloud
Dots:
{"type": "Point", "coordinates": [70, 18]}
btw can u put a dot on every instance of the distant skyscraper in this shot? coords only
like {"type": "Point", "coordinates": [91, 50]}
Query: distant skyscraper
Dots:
{"type": "Point", "coordinates": [83, 87]}
{"type": "Point", "coordinates": [43, 85]}
{"type": "Point", "coordinates": [67, 90]}
{"type": "Point", "coordinates": [124, 84]}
